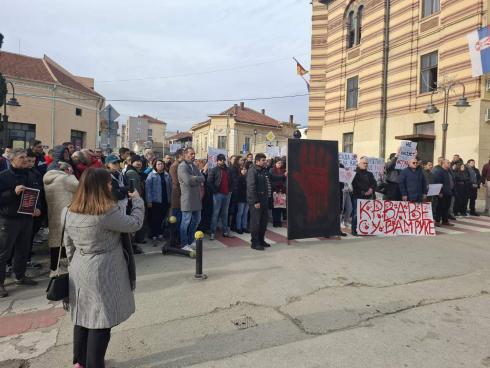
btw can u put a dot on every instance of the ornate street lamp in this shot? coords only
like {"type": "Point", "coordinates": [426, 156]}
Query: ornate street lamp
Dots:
{"type": "Point", "coordinates": [432, 109]}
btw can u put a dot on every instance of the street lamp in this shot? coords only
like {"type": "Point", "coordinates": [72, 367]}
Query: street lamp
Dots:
{"type": "Point", "coordinates": [432, 109]}
{"type": "Point", "coordinates": [11, 102]}
{"type": "Point", "coordinates": [255, 140]}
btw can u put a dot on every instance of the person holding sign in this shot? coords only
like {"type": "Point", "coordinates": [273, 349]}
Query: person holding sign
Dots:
{"type": "Point", "coordinates": [16, 226]}
{"type": "Point", "coordinates": [413, 185]}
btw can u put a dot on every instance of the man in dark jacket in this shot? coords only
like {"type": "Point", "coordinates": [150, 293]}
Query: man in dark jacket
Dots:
{"type": "Point", "coordinates": [413, 185]}
{"type": "Point", "coordinates": [134, 172]}
{"type": "Point", "coordinates": [442, 176]}
{"type": "Point", "coordinates": [392, 179]}
{"type": "Point", "coordinates": [220, 181]}
{"type": "Point", "coordinates": [37, 147]}
{"type": "Point", "coordinates": [475, 180]}
{"type": "Point", "coordinates": [364, 186]}
{"type": "Point", "coordinates": [16, 228]}
{"type": "Point", "coordinates": [60, 153]}
{"type": "Point", "coordinates": [258, 194]}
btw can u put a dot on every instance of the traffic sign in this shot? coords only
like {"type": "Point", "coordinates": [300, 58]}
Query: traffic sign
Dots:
{"type": "Point", "coordinates": [270, 136]}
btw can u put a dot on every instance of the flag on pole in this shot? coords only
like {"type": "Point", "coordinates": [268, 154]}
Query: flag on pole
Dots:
{"type": "Point", "coordinates": [479, 45]}
{"type": "Point", "coordinates": [302, 72]}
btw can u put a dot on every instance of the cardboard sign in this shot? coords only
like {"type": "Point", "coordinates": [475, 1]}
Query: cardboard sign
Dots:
{"type": "Point", "coordinates": [434, 190]}
{"type": "Point", "coordinates": [273, 151]}
{"type": "Point", "coordinates": [349, 160]}
{"type": "Point", "coordinates": [377, 167]}
{"type": "Point", "coordinates": [408, 150]}
{"type": "Point", "coordinates": [346, 176]}
{"type": "Point", "coordinates": [213, 155]}
{"type": "Point", "coordinates": [279, 200]}
{"type": "Point", "coordinates": [392, 218]}
{"type": "Point", "coordinates": [174, 147]}
{"type": "Point", "coordinates": [28, 201]}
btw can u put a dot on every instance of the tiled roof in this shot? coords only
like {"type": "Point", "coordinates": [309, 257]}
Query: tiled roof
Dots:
{"type": "Point", "coordinates": [247, 115]}
{"type": "Point", "coordinates": [151, 119]}
{"type": "Point", "coordinates": [201, 124]}
{"type": "Point", "coordinates": [39, 70]}
{"type": "Point", "coordinates": [179, 136]}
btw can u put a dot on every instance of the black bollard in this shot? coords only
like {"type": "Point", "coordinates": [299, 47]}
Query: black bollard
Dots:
{"type": "Point", "coordinates": [199, 274]}
{"type": "Point", "coordinates": [171, 248]}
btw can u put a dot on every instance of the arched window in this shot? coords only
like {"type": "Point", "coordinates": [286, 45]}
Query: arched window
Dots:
{"type": "Point", "coordinates": [360, 14]}
{"type": "Point", "coordinates": [351, 30]}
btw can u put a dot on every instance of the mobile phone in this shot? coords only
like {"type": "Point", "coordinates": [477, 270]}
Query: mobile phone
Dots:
{"type": "Point", "coordinates": [131, 185]}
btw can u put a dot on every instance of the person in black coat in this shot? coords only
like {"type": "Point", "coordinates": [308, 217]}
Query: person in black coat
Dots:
{"type": "Point", "coordinates": [364, 186]}
{"type": "Point", "coordinates": [442, 175]}
{"type": "Point", "coordinates": [461, 189]}
{"type": "Point", "coordinates": [474, 185]}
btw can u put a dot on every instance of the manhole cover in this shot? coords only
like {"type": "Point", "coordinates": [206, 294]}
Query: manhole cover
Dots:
{"type": "Point", "coordinates": [244, 322]}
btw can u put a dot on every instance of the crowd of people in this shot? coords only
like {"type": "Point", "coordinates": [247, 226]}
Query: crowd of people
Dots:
{"type": "Point", "coordinates": [459, 187]}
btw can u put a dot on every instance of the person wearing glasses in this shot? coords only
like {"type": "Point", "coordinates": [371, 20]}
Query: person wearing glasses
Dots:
{"type": "Point", "coordinates": [412, 182]}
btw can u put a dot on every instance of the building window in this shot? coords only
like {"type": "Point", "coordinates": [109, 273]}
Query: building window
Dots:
{"type": "Point", "coordinates": [77, 138]}
{"type": "Point", "coordinates": [424, 128]}
{"type": "Point", "coordinates": [360, 13]}
{"type": "Point", "coordinates": [352, 92]}
{"type": "Point", "coordinates": [20, 134]}
{"type": "Point", "coordinates": [222, 142]}
{"type": "Point", "coordinates": [354, 25]}
{"type": "Point", "coordinates": [78, 111]}
{"type": "Point", "coordinates": [428, 72]}
{"type": "Point", "coordinates": [247, 143]}
{"type": "Point", "coordinates": [348, 142]}
{"type": "Point", "coordinates": [150, 134]}
{"type": "Point", "coordinates": [205, 144]}
{"type": "Point", "coordinates": [430, 7]}
{"type": "Point", "coordinates": [351, 30]}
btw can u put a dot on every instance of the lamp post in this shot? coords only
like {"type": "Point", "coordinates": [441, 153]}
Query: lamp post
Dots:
{"type": "Point", "coordinates": [255, 140]}
{"type": "Point", "coordinates": [5, 118]}
{"type": "Point", "coordinates": [432, 109]}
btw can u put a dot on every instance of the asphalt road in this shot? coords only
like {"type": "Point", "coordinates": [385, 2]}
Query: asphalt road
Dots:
{"type": "Point", "coordinates": [370, 302]}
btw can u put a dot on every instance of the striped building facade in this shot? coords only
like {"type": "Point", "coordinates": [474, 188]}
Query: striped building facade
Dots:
{"type": "Point", "coordinates": [427, 46]}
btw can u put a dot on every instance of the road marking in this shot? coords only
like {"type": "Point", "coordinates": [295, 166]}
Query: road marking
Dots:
{"type": "Point", "coordinates": [473, 222]}
{"type": "Point", "coordinates": [460, 226]}
{"type": "Point", "coordinates": [446, 231]}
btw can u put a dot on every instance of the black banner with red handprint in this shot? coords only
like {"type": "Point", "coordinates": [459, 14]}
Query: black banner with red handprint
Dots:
{"type": "Point", "coordinates": [313, 189]}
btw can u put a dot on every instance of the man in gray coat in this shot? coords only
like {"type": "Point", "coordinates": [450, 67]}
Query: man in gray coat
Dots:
{"type": "Point", "coordinates": [191, 181]}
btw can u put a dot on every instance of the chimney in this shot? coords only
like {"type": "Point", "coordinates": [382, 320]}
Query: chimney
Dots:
{"type": "Point", "coordinates": [291, 119]}
{"type": "Point", "coordinates": [242, 105]}
{"type": "Point", "coordinates": [262, 111]}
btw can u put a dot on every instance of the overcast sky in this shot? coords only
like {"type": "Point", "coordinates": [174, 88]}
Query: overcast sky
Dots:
{"type": "Point", "coordinates": [113, 40]}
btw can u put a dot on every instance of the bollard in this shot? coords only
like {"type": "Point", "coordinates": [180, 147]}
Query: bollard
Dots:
{"type": "Point", "coordinates": [171, 248]}
{"type": "Point", "coordinates": [199, 275]}
{"type": "Point", "coordinates": [172, 221]}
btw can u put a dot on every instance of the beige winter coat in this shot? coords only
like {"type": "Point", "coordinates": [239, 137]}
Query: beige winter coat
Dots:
{"type": "Point", "coordinates": [59, 187]}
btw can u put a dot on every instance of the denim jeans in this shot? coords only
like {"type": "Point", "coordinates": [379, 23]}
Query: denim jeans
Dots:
{"type": "Point", "coordinates": [242, 216]}
{"type": "Point", "coordinates": [188, 226]}
{"type": "Point", "coordinates": [221, 203]}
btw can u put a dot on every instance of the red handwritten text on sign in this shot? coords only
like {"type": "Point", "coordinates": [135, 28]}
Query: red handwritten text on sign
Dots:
{"type": "Point", "coordinates": [390, 218]}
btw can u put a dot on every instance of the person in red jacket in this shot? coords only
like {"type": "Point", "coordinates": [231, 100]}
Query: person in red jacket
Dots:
{"type": "Point", "coordinates": [84, 159]}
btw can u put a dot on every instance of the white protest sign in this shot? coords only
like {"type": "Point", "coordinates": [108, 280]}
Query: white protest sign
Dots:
{"type": "Point", "coordinates": [434, 190]}
{"type": "Point", "coordinates": [212, 155]}
{"type": "Point", "coordinates": [284, 150]}
{"type": "Point", "coordinates": [392, 218]}
{"type": "Point", "coordinates": [272, 151]}
{"type": "Point", "coordinates": [174, 147]}
{"type": "Point", "coordinates": [349, 160]}
{"type": "Point", "coordinates": [377, 167]}
{"type": "Point", "coordinates": [346, 176]}
{"type": "Point", "coordinates": [408, 150]}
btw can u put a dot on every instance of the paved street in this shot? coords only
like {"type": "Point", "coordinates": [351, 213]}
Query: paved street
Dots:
{"type": "Point", "coordinates": [355, 302]}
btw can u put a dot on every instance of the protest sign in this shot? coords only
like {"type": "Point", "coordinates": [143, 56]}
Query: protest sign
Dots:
{"type": "Point", "coordinates": [174, 147]}
{"type": "Point", "coordinates": [377, 167]}
{"type": "Point", "coordinates": [434, 189]}
{"type": "Point", "coordinates": [349, 160]}
{"type": "Point", "coordinates": [408, 150]}
{"type": "Point", "coordinates": [272, 151]}
{"type": "Point", "coordinates": [392, 218]}
{"type": "Point", "coordinates": [346, 176]}
{"type": "Point", "coordinates": [284, 150]}
{"type": "Point", "coordinates": [28, 201]}
{"type": "Point", "coordinates": [212, 155]}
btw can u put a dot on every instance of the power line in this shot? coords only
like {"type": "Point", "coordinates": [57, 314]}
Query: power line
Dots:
{"type": "Point", "coordinates": [198, 73]}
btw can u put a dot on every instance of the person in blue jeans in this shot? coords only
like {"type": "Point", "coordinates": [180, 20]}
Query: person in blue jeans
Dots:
{"type": "Point", "coordinates": [220, 181]}
{"type": "Point", "coordinates": [242, 211]}
{"type": "Point", "coordinates": [191, 182]}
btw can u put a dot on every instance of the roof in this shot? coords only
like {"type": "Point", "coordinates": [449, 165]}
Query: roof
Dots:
{"type": "Point", "coordinates": [179, 136]}
{"type": "Point", "coordinates": [151, 119]}
{"type": "Point", "coordinates": [43, 70]}
{"type": "Point", "coordinates": [200, 125]}
{"type": "Point", "coordinates": [244, 114]}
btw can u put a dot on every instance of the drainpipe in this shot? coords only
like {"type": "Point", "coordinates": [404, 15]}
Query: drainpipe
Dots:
{"type": "Point", "coordinates": [384, 88]}
{"type": "Point", "coordinates": [53, 115]}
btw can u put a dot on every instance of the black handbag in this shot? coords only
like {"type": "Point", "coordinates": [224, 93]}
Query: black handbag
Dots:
{"type": "Point", "coordinates": [58, 285]}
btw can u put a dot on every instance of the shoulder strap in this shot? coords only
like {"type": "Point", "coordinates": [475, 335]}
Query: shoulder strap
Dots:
{"type": "Point", "coordinates": [61, 243]}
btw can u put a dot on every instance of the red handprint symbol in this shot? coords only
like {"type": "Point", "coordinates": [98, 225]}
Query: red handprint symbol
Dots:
{"type": "Point", "coordinates": [313, 178]}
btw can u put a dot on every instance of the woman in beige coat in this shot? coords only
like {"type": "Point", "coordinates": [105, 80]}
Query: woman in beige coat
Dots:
{"type": "Point", "coordinates": [59, 185]}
